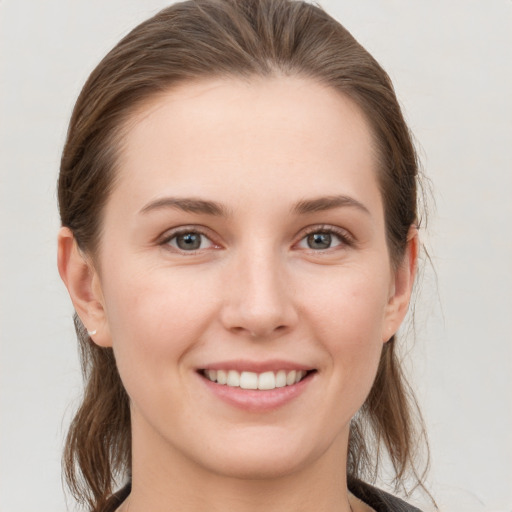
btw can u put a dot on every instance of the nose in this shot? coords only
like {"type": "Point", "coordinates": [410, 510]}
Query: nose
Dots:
{"type": "Point", "coordinates": [259, 296]}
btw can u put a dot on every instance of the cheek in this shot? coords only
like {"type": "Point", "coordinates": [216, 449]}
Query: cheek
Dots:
{"type": "Point", "coordinates": [348, 314]}
{"type": "Point", "coordinates": [351, 302]}
{"type": "Point", "coordinates": [153, 322]}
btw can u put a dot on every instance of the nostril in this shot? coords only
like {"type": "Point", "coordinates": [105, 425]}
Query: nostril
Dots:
{"type": "Point", "coordinates": [264, 333]}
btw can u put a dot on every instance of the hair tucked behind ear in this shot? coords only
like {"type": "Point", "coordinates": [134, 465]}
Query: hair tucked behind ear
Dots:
{"type": "Point", "coordinates": [221, 38]}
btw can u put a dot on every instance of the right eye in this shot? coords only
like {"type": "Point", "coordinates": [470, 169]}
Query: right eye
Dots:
{"type": "Point", "coordinates": [189, 241]}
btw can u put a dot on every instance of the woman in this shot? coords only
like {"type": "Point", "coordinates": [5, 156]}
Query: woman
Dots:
{"type": "Point", "coordinates": [238, 201]}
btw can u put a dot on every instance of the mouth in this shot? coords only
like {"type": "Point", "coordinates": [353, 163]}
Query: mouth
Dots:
{"type": "Point", "coordinates": [248, 380]}
{"type": "Point", "coordinates": [257, 387]}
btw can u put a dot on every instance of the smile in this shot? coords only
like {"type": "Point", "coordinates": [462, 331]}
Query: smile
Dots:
{"type": "Point", "coordinates": [264, 381]}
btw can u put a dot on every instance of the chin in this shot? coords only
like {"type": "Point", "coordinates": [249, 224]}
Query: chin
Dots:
{"type": "Point", "coordinates": [268, 457]}
{"type": "Point", "coordinates": [259, 466]}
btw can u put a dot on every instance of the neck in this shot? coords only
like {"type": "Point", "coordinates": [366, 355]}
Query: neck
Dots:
{"type": "Point", "coordinates": [166, 480]}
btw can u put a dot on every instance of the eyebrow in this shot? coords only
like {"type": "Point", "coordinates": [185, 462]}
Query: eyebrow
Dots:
{"type": "Point", "coordinates": [188, 204]}
{"type": "Point", "coordinates": [328, 203]}
{"type": "Point", "coordinates": [202, 206]}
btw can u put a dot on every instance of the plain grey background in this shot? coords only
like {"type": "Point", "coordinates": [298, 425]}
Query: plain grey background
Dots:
{"type": "Point", "coordinates": [450, 61]}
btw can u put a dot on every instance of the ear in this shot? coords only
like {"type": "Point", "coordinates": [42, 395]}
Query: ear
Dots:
{"type": "Point", "coordinates": [83, 284]}
{"type": "Point", "coordinates": [401, 286]}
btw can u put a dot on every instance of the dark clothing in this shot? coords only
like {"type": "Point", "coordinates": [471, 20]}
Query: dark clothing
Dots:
{"type": "Point", "coordinates": [379, 500]}
{"type": "Point", "coordinates": [116, 499]}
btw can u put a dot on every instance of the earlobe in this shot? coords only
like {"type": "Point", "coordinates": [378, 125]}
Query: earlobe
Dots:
{"type": "Point", "coordinates": [82, 281]}
{"type": "Point", "coordinates": [402, 286]}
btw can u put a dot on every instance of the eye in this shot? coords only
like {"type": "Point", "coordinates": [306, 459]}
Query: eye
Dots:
{"type": "Point", "coordinates": [189, 241]}
{"type": "Point", "coordinates": [321, 239]}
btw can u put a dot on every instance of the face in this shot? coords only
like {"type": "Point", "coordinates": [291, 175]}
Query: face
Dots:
{"type": "Point", "coordinates": [244, 247]}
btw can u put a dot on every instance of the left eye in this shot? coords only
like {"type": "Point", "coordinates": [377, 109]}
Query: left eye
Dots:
{"type": "Point", "coordinates": [320, 240]}
{"type": "Point", "coordinates": [190, 241]}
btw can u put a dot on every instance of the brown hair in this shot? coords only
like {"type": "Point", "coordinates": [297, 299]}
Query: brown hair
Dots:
{"type": "Point", "coordinates": [239, 38]}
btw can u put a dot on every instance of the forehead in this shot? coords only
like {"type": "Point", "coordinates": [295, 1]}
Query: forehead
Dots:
{"type": "Point", "coordinates": [262, 134]}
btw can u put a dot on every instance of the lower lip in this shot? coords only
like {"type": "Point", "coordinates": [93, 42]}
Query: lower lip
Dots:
{"type": "Point", "coordinates": [255, 400]}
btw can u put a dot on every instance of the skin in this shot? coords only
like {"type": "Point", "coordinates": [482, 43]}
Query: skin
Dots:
{"type": "Point", "coordinates": [254, 290]}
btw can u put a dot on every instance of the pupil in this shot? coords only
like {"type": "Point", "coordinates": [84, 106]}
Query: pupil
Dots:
{"type": "Point", "coordinates": [189, 241]}
{"type": "Point", "coordinates": [319, 240]}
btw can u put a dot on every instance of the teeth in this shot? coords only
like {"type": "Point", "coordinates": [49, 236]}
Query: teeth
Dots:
{"type": "Point", "coordinates": [266, 380]}
{"type": "Point", "coordinates": [233, 379]}
{"type": "Point", "coordinates": [280, 379]}
{"type": "Point", "coordinates": [290, 377]}
{"type": "Point", "coordinates": [248, 380]}
{"type": "Point", "coordinates": [252, 380]}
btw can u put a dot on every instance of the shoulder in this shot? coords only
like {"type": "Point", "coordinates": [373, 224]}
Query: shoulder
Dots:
{"type": "Point", "coordinates": [379, 500]}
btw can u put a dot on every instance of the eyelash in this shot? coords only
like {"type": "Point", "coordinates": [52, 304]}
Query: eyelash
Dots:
{"type": "Point", "coordinates": [346, 239]}
{"type": "Point", "coordinates": [186, 230]}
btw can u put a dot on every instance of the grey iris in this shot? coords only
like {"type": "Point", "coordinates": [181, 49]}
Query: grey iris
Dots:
{"type": "Point", "coordinates": [189, 241]}
{"type": "Point", "coordinates": [319, 240]}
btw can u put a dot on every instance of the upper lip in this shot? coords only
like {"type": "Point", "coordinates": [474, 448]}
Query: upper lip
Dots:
{"type": "Point", "coordinates": [241, 365]}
